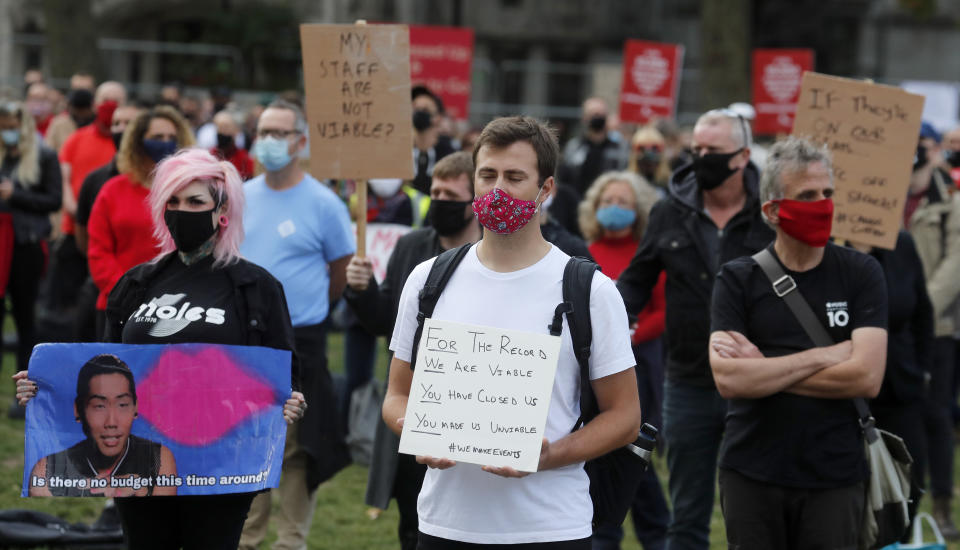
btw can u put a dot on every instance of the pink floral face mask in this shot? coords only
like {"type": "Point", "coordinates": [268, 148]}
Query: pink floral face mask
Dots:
{"type": "Point", "coordinates": [503, 214]}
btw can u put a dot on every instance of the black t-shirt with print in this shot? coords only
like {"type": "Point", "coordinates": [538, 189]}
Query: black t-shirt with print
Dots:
{"type": "Point", "coordinates": [787, 439]}
{"type": "Point", "coordinates": [186, 304]}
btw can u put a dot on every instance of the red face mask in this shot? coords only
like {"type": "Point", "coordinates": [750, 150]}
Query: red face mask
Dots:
{"type": "Point", "coordinates": [105, 116]}
{"type": "Point", "coordinates": [808, 222]}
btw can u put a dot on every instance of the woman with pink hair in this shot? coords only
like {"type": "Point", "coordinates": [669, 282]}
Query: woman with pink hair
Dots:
{"type": "Point", "coordinates": [196, 203]}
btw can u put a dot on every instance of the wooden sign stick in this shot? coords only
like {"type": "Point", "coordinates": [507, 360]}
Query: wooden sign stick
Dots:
{"type": "Point", "coordinates": [361, 190]}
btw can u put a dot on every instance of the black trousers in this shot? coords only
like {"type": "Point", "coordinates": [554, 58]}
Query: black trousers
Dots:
{"type": "Point", "coordinates": [200, 522]}
{"type": "Point", "coordinates": [762, 516]}
{"type": "Point", "coordinates": [26, 268]}
{"type": "Point", "coordinates": [68, 271]}
{"type": "Point", "coordinates": [435, 543]}
{"type": "Point", "coordinates": [938, 419]}
{"type": "Point", "coordinates": [906, 421]}
{"type": "Point", "coordinates": [406, 489]}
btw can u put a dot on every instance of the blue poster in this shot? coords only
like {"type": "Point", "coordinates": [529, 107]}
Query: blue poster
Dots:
{"type": "Point", "coordinates": [140, 420]}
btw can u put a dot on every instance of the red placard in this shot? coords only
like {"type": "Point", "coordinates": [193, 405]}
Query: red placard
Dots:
{"type": "Point", "coordinates": [776, 87]}
{"type": "Point", "coordinates": [441, 59]}
{"type": "Point", "coordinates": [651, 77]}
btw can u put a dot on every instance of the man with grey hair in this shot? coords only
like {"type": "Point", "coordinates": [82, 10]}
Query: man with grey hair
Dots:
{"type": "Point", "coordinates": [792, 465]}
{"type": "Point", "coordinates": [711, 215]}
{"type": "Point", "coordinates": [299, 230]}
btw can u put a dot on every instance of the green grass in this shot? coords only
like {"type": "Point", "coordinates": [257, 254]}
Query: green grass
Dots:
{"type": "Point", "coordinates": [340, 519]}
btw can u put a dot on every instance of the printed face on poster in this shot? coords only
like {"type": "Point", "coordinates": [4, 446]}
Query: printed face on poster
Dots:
{"type": "Point", "coordinates": [441, 58]}
{"type": "Point", "coordinates": [776, 87]}
{"type": "Point", "coordinates": [357, 80]}
{"type": "Point", "coordinates": [480, 395]}
{"type": "Point", "coordinates": [651, 79]}
{"type": "Point", "coordinates": [150, 420]}
{"type": "Point", "coordinates": [381, 240]}
{"type": "Point", "coordinates": [871, 131]}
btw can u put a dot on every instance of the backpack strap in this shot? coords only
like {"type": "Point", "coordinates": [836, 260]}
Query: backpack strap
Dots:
{"type": "Point", "coordinates": [577, 281]}
{"type": "Point", "coordinates": [440, 273]}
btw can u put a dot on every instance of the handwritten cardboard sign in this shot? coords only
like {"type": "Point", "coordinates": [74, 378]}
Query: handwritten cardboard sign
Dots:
{"type": "Point", "coordinates": [480, 395]}
{"type": "Point", "coordinates": [871, 131]}
{"type": "Point", "coordinates": [357, 80]}
{"type": "Point", "coordinates": [381, 240]}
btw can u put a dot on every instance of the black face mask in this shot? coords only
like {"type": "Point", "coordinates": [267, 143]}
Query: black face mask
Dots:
{"type": "Point", "coordinates": [82, 121]}
{"type": "Point", "coordinates": [224, 142]}
{"type": "Point", "coordinates": [920, 160]}
{"type": "Point", "coordinates": [954, 159]}
{"type": "Point", "coordinates": [449, 217]}
{"type": "Point", "coordinates": [597, 123]}
{"type": "Point", "coordinates": [712, 169]}
{"type": "Point", "coordinates": [189, 229]}
{"type": "Point", "coordinates": [422, 120]}
{"type": "Point", "coordinates": [117, 137]}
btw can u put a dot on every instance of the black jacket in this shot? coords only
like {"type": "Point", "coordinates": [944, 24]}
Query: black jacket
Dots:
{"type": "Point", "coordinates": [31, 205]}
{"type": "Point", "coordinates": [91, 188]}
{"type": "Point", "coordinates": [910, 341]}
{"type": "Point", "coordinates": [571, 244]}
{"type": "Point", "coordinates": [259, 298]}
{"type": "Point", "coordinates": [673, 243]}
{"type": "Point", "coordinates": [376, 307]}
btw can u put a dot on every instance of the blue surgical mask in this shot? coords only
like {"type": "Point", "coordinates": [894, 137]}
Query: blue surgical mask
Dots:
{"type": "Point", "coordinates": [158, 150]}
{"type": "Point", "coordinates": [273, 153]}
{"type": "Point", "coordinates": [615, 218]}
{"type": "Point", "coordinates": [11, 138]}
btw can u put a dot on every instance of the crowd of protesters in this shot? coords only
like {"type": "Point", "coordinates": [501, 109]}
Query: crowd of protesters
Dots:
{"type": "Point", "coordinates": [668, 214]}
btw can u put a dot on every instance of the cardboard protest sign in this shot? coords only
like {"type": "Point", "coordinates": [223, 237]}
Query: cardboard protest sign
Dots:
{"type": "Point", "coordinates": [651, 78]}
{"type": "Point", "coordinates": [185, 419]}
{"type": "Point", "coordinates": [480, 395]}
{"type": "Point", "coordinates": [441, 58]}
{"type": "Point", "coordinates": [871, 131]}
{"type": "Point", "coordinates": [357, 80]}
{"type": "Point", "coordinates": [381, 240]}
{"type": "Point", "coordinates": [776, 87]}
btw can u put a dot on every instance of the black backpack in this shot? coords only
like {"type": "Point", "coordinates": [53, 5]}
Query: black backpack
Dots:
{"type": "Point", "coordinates": [615, 476]}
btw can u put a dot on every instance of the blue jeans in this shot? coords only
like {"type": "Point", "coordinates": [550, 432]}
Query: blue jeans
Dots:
{"type": "Point", "coordinates": [693, 420]}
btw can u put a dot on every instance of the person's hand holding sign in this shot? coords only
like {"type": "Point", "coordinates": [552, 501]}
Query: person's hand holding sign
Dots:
{"type": "Point", "coordinates": [430, 461]}
{"type": "Point", "coordinates": [506, 471]}
{"type": "Point", "coordinates": [26, 388]}
{"type": "Point", "coordinates": [359, 271]}
{"type": "Point", "coordinates": [294, 408]}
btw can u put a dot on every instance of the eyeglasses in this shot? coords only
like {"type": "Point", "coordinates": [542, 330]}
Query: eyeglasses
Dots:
{"type": "Point", "coordinates": [730, 113]}
{"type": "Point", "coordinates": [278, 134]}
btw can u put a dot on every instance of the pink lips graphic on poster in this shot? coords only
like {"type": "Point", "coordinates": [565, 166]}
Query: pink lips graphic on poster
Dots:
{"type": "Point", "coordinates": [180, 404]}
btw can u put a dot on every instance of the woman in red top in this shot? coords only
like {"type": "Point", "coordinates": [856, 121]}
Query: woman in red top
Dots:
{"type": "Point", "coordinates": [613, 218]}
{"type": "Point", "coordinates": [120, 230]}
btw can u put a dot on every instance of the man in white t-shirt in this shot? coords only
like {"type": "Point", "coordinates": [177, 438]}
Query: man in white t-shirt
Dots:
{"type": "Point", "coordinates": [512, 279]}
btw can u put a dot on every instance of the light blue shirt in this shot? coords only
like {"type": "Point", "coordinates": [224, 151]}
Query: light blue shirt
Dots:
{"type": "Point", "coordinates": [294, 234]}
